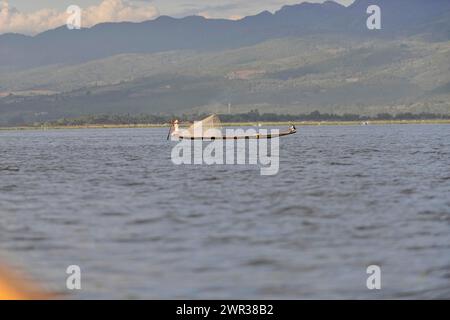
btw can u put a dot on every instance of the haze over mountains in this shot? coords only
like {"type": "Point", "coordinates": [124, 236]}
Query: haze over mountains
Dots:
{"type": "Point", "coordinates": [302, 58]}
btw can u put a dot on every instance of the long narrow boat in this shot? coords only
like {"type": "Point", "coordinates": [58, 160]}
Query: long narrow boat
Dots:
{"type": "Point", "coordinates": [255, 136]}
{"type": "Point", "coordinates": [201, 130]}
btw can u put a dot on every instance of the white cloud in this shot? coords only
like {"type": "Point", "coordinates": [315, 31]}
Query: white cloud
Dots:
{"type": "Point", "coordinates": [12, 20]}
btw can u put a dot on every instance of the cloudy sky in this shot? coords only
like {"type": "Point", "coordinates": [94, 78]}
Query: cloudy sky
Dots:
{"type": "Point", "coordinates": [31, 17]}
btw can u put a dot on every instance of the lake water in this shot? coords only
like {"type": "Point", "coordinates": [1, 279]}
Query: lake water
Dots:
{"type": "Point", "coordinates": [112, 202]}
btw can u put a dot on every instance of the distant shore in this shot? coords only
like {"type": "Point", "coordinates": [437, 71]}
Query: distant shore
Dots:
{"type": "Point", "coordinates": [231, 124]}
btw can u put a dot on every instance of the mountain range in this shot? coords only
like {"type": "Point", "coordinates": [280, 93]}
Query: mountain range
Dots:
{"type": "Point", "coordinates": [301, 58]}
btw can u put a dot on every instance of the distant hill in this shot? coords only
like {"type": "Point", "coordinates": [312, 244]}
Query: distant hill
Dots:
{"type": "Point", "coordinates": [400, 17]}
{"type": "Point", "coordinates": [300, 59]}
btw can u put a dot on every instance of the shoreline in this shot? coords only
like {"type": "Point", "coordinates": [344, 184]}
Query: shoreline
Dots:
{"type": "Point", "coordinates": [229, 124]}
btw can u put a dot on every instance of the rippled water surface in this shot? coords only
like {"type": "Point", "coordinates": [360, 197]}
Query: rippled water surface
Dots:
{"type": "Point", "coordinates": [112, 202]}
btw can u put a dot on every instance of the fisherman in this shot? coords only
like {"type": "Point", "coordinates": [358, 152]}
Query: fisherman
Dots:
{"type": "Point", "coordinates": [176, 130]}
{"type": "Point", "coordinates": [175, 126]}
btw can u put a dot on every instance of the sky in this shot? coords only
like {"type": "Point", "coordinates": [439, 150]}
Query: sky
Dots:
{"type": "Point", "coordinates": [31, 17]}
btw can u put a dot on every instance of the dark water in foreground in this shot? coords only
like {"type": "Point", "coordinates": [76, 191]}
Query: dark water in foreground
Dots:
{"type": "Point", "coordinates": [112, 202]}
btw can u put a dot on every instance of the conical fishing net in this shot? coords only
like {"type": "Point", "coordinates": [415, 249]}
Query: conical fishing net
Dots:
{"type": "Point", "coordinates": [206, 128]}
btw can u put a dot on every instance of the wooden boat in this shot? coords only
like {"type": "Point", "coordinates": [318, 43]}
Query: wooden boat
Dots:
{"type": "Point", "coordinates": [201, 130]}
{"type": "Point", "coordinates": [255, 136]}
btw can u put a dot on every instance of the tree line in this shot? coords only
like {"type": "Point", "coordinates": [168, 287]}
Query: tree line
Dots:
{"type": "Point", "coordinates": [252, 116]}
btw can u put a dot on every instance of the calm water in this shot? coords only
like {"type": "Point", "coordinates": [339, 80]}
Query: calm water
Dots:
{"type": "Point", "coordinates": [112, 202]}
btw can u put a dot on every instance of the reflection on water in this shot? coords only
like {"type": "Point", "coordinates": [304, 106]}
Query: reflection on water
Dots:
{"type": "Point", "coordinates": [112, 202]}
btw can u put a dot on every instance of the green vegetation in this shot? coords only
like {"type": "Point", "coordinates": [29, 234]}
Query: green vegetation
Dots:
{"type": "Point", "coordinates": [249, 117]}
{"type": "Point", "coordinates": [331, 74]}
{"type": "Point", "coordinates": [255, 116]}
